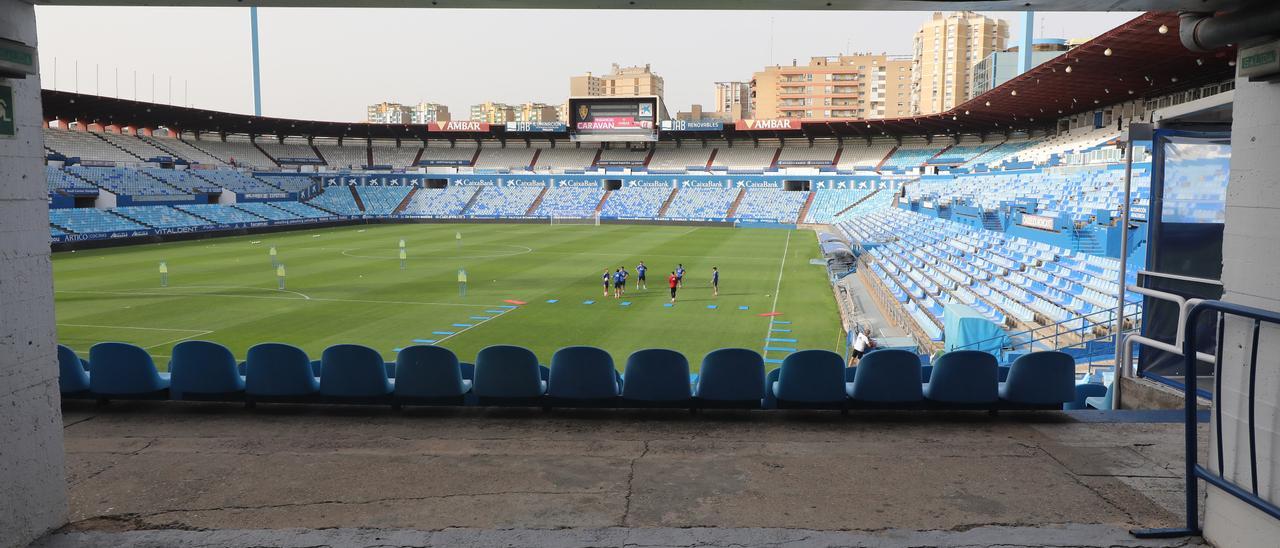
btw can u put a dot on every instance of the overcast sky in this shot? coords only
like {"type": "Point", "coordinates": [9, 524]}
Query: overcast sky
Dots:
{"type": "Point", "coordinates": [329, 64]}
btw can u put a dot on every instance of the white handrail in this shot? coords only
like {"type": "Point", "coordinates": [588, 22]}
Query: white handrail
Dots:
{"type": "Point", "coordinates": [1126, 355]}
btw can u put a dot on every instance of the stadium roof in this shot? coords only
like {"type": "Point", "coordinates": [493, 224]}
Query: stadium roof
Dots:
{"type": "Point", "coordinates": [795, 5]}
{"type": "Point", "coordinates": [1132, 61]}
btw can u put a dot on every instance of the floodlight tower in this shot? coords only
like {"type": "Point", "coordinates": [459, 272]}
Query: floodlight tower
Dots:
{"type": "Point", "coordinates": [1024, 50]}
{"type": "Point", "coordinates": [257, 75]}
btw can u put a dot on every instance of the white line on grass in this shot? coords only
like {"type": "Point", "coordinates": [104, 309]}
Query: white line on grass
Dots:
{"type": "Point", "coordinates": [776, 288]}
{"type": "Point", "coordinates": [473, 326]}
{"type": "Point", "coordinates": [180, 339]}
{"type": "Point", "coordinates": [132, 327]}
{"type": "Point", "coordinates": [313, 299]}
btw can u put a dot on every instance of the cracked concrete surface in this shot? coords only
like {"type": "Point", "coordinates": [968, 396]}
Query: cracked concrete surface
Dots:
{"type": "Point", "coordinates": [207, 474]}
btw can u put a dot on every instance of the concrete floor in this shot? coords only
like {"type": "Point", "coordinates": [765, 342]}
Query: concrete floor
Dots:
{"type": "Point", "coordinates": [431, 477]}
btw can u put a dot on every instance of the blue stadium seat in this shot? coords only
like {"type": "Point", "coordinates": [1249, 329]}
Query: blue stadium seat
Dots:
{"type": "Point", "coordinates": [1041, 379]}
{"type": "Point", "coordinates": [657, 378]}
{"type": "Point", "coordinates": [508, 375]}
{"type": "Point", "coordinates": [124, 371]}
{"type": "Point", "coordinates": [279, 372]}
{"type": "Point", "coordinates": [731, 378]}
{"type": "Point", "coordinates": [811, 379]}
{"type": "Point", "coordinates": [886, 378]}
{"type": "Point", "coordinates": [1104, 402]}
{"type": "Point", "coordinates": [964, 378]}
{"type": "Point", "coordinates": [771, 402]}
{"type": "Point", "coordinates": [203, 370]}
{"type": "Point", "coordinates": [73, 378]}
{"type": "Point", "coordinates": [429, 375]}
{"type": "Point", "coordinates": [351, 373]}
{"type": "Point", "coordinates": [582, 376]}
{"type": "Point", "coordinates": [1085, 391]}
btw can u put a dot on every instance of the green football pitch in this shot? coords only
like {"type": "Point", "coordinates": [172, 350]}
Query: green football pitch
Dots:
{"type": "Point", "coordinates": [346, 285]}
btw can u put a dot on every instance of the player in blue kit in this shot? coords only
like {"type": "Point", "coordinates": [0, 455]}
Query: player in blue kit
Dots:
{"type": "Point", "coordinates": [617, 283]}
{"type": "Point", "coordinates": [680, 274]}
{"type": "Point", "coordinates": [606, 282]}
{"type": "Point", "coordinates": [715, 281]}
{"type": "Point", "coordinates": [640, 270]}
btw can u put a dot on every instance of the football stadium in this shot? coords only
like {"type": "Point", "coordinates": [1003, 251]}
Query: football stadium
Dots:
{"type": "Point", "coordinates": [1038, 311]}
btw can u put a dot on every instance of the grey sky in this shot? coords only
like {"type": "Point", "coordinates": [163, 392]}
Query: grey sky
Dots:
{"type": "Point", "coordinates": [328, 64]}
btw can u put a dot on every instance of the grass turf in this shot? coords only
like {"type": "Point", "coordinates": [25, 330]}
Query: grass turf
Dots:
{"type": "Point", "coordinates": [345, 285]}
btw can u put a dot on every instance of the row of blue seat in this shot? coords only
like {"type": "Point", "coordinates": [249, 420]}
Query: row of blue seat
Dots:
{"type": "Point", "coordinates": [579, 376]}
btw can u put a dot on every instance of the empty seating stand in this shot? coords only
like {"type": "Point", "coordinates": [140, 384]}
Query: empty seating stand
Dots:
{"type": "Point", "coordinates": [579, 376]}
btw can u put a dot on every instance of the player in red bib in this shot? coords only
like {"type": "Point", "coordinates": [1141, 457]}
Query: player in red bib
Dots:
{"type": "Point", "coordinates": [673, 281]}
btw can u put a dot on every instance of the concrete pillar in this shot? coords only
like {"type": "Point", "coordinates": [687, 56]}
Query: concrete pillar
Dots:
{"type": "Point", "coordinates": [34, 488]}
{"type": "Point", "coordinates": [1251, 276]}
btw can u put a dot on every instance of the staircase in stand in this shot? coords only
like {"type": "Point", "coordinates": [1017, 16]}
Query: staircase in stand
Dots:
{"type": "Point", "coordinates": [1085, 242]}
{"type": "Point", "coordinates": [773, 164]}
{"type": "Point", "coordinates": [733, 208]}
{"type": "Point", "coordinates": [855, 204]}
{"type": "Point", "coordinates": [596, 161]}
{"type": "Point", "coordinates": [323, 160]}
{"type": "Point", "coordinates": [405, 202]}
{"type": "Point", "coordinates": [991, 221]}
{"type": "Point", "coordinates": [836, 161]}
{"type": "Point", "coordinates": [603, 199]}
{"type": "Point", "coordinates": [711, 160]}
{"type": "Point", "coordinates": [264, 153]}
{"type": "Point", "coordinates": [537, 202]}
{"type": "Point", "coordinates": [117, 147]}
{"type": "Point", "coordinates": [880, 164]}
{"type": "Point", "coordinates": [662, 212]}
{"type": "Point", "coordinates": [356, 195]}
{"type": "Point", "coordinates": [936, 156]}
{"type": "Point", "coordinates": [808, 202]}
{"type": "Point", "coordinates": [474, 197]}
{"type": "Point", "coordinates": [534, 162]}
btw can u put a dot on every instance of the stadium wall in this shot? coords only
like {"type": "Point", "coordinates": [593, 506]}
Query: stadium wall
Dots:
{"type": "Point", "coordinates": [32, 473]}
{"type": "Point", "coordinates": [1250, 261]}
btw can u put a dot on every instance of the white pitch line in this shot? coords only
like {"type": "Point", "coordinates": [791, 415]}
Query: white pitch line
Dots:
{"type": "Point", "coordinates": [132, 327]}
{"type": "Point", "coordinates": [777, 287]}
{"type": "Point", "coordinates": [177, 340]}
{"type": "Point", "coordinates": [473, 326]}
{"type": "Point", "coordinates": [313, 299]}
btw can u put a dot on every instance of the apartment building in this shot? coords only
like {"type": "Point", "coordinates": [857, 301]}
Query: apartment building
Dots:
{"type": "Point", "coordinates": [945, 52]}
{"type": "Point", "coordinates": [855, 86]}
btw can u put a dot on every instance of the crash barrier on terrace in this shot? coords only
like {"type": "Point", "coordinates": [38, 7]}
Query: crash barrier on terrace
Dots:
{"type": "Point", "coordinates": [579, 376]}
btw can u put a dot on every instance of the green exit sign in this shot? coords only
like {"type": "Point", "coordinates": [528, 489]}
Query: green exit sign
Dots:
{"type": "Point", "coordinates": [16, 60]}
{"type": "Point", "coordinates": [1259, 62]}
{"type": "Point", "coordinates": [6, 111]}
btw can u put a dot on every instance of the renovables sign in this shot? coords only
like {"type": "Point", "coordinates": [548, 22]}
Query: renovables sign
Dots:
{"type": "Point", "coordinates": [773, 124]}
{"type": "Point", "coordinates": [692, 125]}
{"type": "Point", "coordinates": [536, 127]}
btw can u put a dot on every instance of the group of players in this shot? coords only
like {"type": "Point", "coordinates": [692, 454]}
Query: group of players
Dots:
{"type": "Point", "coordinates": [617, 280]}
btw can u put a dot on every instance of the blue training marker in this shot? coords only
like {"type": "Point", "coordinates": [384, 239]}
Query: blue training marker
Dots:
{"type": "Point", "coordinates": [744, 308]}
{"type": "Point", "coordinates": [396, 349]}
{"type": "Point", "coordinates": [781, 321]}
{"type": "Point", "coordinates": [462, 325]}
{"type": "Point", "coordinates": [667, 305]}
{"type": "Point", "coordinates": [776, 330]}
{"type": "Point", "coordinates": [424, 341]}
{"type": "Point", "coordinates": [625, 303]}
{"type": "Point", "coordinates": [495, 311]}
{"type": "Point", "coordinates": [506, 306]}
{"type": "Point", "coordinates": [772, 339]}
{"type": "Point", "coordinates": [442, 333]}
{"type": "Point", "coordinates": [481, 318]}
{"type": "Point", "coordinates": [553, 301]}
{"type": "Point", "coordinates": [712, 306]}
{"type": "Point", "coordinates": [588, 302]}
{"type": "Point", "coordinates": [779, 349]}
{"type": "Point", "coordinates": [772, 360]}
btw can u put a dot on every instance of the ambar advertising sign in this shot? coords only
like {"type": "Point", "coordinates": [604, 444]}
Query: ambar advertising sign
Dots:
{"type": "Point", "coordinates": [774, 124]}
{"type": "Point", "coordinates": [458, 125]}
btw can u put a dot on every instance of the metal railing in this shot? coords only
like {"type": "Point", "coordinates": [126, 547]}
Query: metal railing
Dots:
{"type": "Point", "coordinates": [1194, 471]}
{"type": "Point", "coordinates": [1087, 326]}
